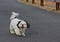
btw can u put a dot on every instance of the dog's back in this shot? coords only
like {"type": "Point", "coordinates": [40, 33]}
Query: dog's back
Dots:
{"type": "Point", "coordinates": [14, 15]}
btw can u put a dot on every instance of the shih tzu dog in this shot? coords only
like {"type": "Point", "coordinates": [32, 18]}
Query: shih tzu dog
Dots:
{"type": "Point", "coordinates": [18, 26]}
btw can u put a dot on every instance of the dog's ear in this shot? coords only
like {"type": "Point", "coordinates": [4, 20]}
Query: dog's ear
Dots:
{"type": "Point", "coordinates": [28, 25]}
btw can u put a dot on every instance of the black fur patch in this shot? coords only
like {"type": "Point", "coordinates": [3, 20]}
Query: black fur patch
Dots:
{"type": "Point", "coordinates": [28, 25]}
{"type": "Point", "coordinates": [18, 24]}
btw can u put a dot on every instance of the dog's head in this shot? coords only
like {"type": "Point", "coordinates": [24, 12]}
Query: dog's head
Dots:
{"type": "Point", "coordinates": [23, 24]}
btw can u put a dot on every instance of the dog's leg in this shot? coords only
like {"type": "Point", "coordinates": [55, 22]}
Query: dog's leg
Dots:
{"type": "Point", "coordinates": [17, 32]}
{"type": "Point", "coordinates": [23, 32]}
{"type": "Point", "coordinates": [11, 30]}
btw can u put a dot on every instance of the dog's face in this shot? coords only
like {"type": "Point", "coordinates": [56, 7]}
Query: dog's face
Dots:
{"type": "Point", "coordinates": [23, 25]}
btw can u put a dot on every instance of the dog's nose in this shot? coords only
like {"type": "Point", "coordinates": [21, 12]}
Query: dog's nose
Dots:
{"type": "Point", "coordinates": [22, 26]}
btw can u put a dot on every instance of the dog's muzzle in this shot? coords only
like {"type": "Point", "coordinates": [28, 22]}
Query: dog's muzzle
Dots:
{"type": "Point", "coordinates": [22, 26]}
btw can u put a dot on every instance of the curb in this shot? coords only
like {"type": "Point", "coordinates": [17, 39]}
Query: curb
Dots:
{"type": "Point", "coordinates": [45, 7]}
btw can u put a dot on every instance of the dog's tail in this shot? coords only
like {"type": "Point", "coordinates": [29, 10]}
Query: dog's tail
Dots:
{"type": "Point", "coordinates": [14, 15]}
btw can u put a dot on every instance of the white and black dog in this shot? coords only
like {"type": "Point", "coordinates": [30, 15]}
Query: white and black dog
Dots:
{"type": "Point", "coordinates": [18, 26]}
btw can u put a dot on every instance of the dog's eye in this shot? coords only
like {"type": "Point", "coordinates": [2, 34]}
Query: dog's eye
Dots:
{"type": "Point", "coordinates": [23, 24]}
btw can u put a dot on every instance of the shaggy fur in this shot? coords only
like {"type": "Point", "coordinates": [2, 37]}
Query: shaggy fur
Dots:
{"type": "Point", "coordinates": [17, 26]}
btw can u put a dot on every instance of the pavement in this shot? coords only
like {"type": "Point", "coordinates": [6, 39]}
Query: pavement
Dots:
{"type": "Point", "coordinates": [45, 25]}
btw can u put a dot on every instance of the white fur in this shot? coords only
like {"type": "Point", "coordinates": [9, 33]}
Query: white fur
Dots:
{"type": "Point", "coordinates": [13, 25]}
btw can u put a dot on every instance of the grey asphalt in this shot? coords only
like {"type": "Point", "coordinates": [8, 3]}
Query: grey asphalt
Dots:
{"type": "Point", "coordinates": [45, 25]}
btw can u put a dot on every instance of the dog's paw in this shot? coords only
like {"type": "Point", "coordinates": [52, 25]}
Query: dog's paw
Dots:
{"type": "Point", "coordinates": [23, 34]}
{"type": "Point", "coordinates": [18, 34]}
{"type": "Point", "coordinates": [12, 32]}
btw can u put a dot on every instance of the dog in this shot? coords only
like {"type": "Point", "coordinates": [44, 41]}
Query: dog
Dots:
{"type": "Point", "coordinates": [18, 26]}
